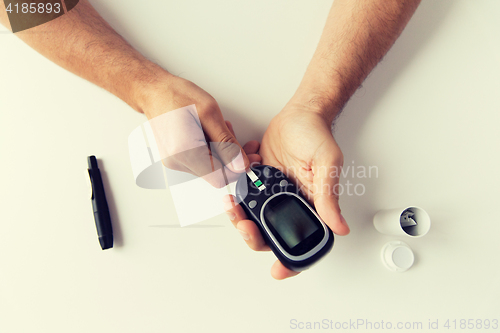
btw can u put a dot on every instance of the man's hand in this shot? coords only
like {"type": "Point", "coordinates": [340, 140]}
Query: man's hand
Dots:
{"type": "Point", "coordinates": [83, 43]}
{"type": "Point", "coordinates": [299, 142]}
{"type": "Point", "coordinates": [196, 139]}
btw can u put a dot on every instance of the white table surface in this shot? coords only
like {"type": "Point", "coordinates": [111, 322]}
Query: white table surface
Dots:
{"type": "Point", "coordinates": [427, 117]}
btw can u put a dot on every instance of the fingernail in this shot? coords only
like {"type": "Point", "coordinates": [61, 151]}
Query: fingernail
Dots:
{"type": "Point", "coordinates": [238, 163]}
{"type": "Point", "coordinates": [244, 235]}
{"type": "Point", "coordinates": [231, 216]}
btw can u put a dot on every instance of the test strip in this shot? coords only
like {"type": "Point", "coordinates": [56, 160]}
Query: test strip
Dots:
{"type": "Point", "coordinates": [257, 182]}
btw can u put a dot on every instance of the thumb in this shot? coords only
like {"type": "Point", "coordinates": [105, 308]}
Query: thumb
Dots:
{"type": "Point", "coordinates": [224, 144]}
{"type": "Point", "coordinates": [326, 170]}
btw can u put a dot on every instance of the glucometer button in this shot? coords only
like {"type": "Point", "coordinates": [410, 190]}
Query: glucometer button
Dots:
{"type": "Point", "coordinates": [252, 204]}
{"type": "Point", "coordinates": [267, 172]}
{"type": "Point", "coordinates": [283, 183]}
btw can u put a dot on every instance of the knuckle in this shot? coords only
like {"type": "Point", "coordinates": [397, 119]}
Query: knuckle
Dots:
{"type": "Point", "coordinates": [208, 107]}
{"type": "Point", "coordinates": [225, 137]}
{"type": "Point", "coordinates": [340, 159]}
{"type": "Point", "coordinates": [226, 145]}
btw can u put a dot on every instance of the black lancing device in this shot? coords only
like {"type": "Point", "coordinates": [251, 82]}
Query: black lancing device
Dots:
{"type": "Point", "coordinates": [100, 205]}
{"type": "Point", "coordinates": [290, 226]}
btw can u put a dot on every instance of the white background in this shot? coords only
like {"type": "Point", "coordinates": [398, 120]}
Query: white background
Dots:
{"type": "Point", "coordinates": [427, 117]}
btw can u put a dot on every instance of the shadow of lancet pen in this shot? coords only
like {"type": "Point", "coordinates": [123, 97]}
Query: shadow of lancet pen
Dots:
{"type": "Point", "coordinates": [113, 212]}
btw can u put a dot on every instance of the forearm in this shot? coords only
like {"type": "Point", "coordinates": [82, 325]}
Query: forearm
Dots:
{"type": "Point", "coordinates": [357, 34]}
{"type": "Point", "coordinates": [83, 43]}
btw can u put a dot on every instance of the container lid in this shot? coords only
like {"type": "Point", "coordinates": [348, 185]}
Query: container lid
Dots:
{"type": "Point", "coordinates": [397, 256]}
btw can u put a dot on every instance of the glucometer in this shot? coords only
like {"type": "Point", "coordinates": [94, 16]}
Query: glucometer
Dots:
{"type": "Point", "coordinates": [290, 226]}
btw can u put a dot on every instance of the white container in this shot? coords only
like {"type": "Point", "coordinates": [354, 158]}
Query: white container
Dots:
{"type": "Point", "coordinates": [397, 256]}
{"type": "Point", "coordinates": [410, 221]}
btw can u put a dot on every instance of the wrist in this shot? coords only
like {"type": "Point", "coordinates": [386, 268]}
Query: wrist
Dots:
{"type": "Point", "coordinates": [313, 98]}
{"type": "Point", "coordinates": [327, 87]}
{"type": "Point", "coordinates": [150, 82]}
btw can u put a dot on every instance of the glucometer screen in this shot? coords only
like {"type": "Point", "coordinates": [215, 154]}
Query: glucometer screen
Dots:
{"type": "Point", "coordinates": [288, 216]}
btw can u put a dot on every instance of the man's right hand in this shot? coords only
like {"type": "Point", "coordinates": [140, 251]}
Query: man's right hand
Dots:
{"type": "Point", "coordinates": [188, 141]}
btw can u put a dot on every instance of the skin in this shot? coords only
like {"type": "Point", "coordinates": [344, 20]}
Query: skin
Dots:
{"type": "Point", "coordinates": [86, 45]}
{"type": "Point", "coordinates": [357, 34]}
